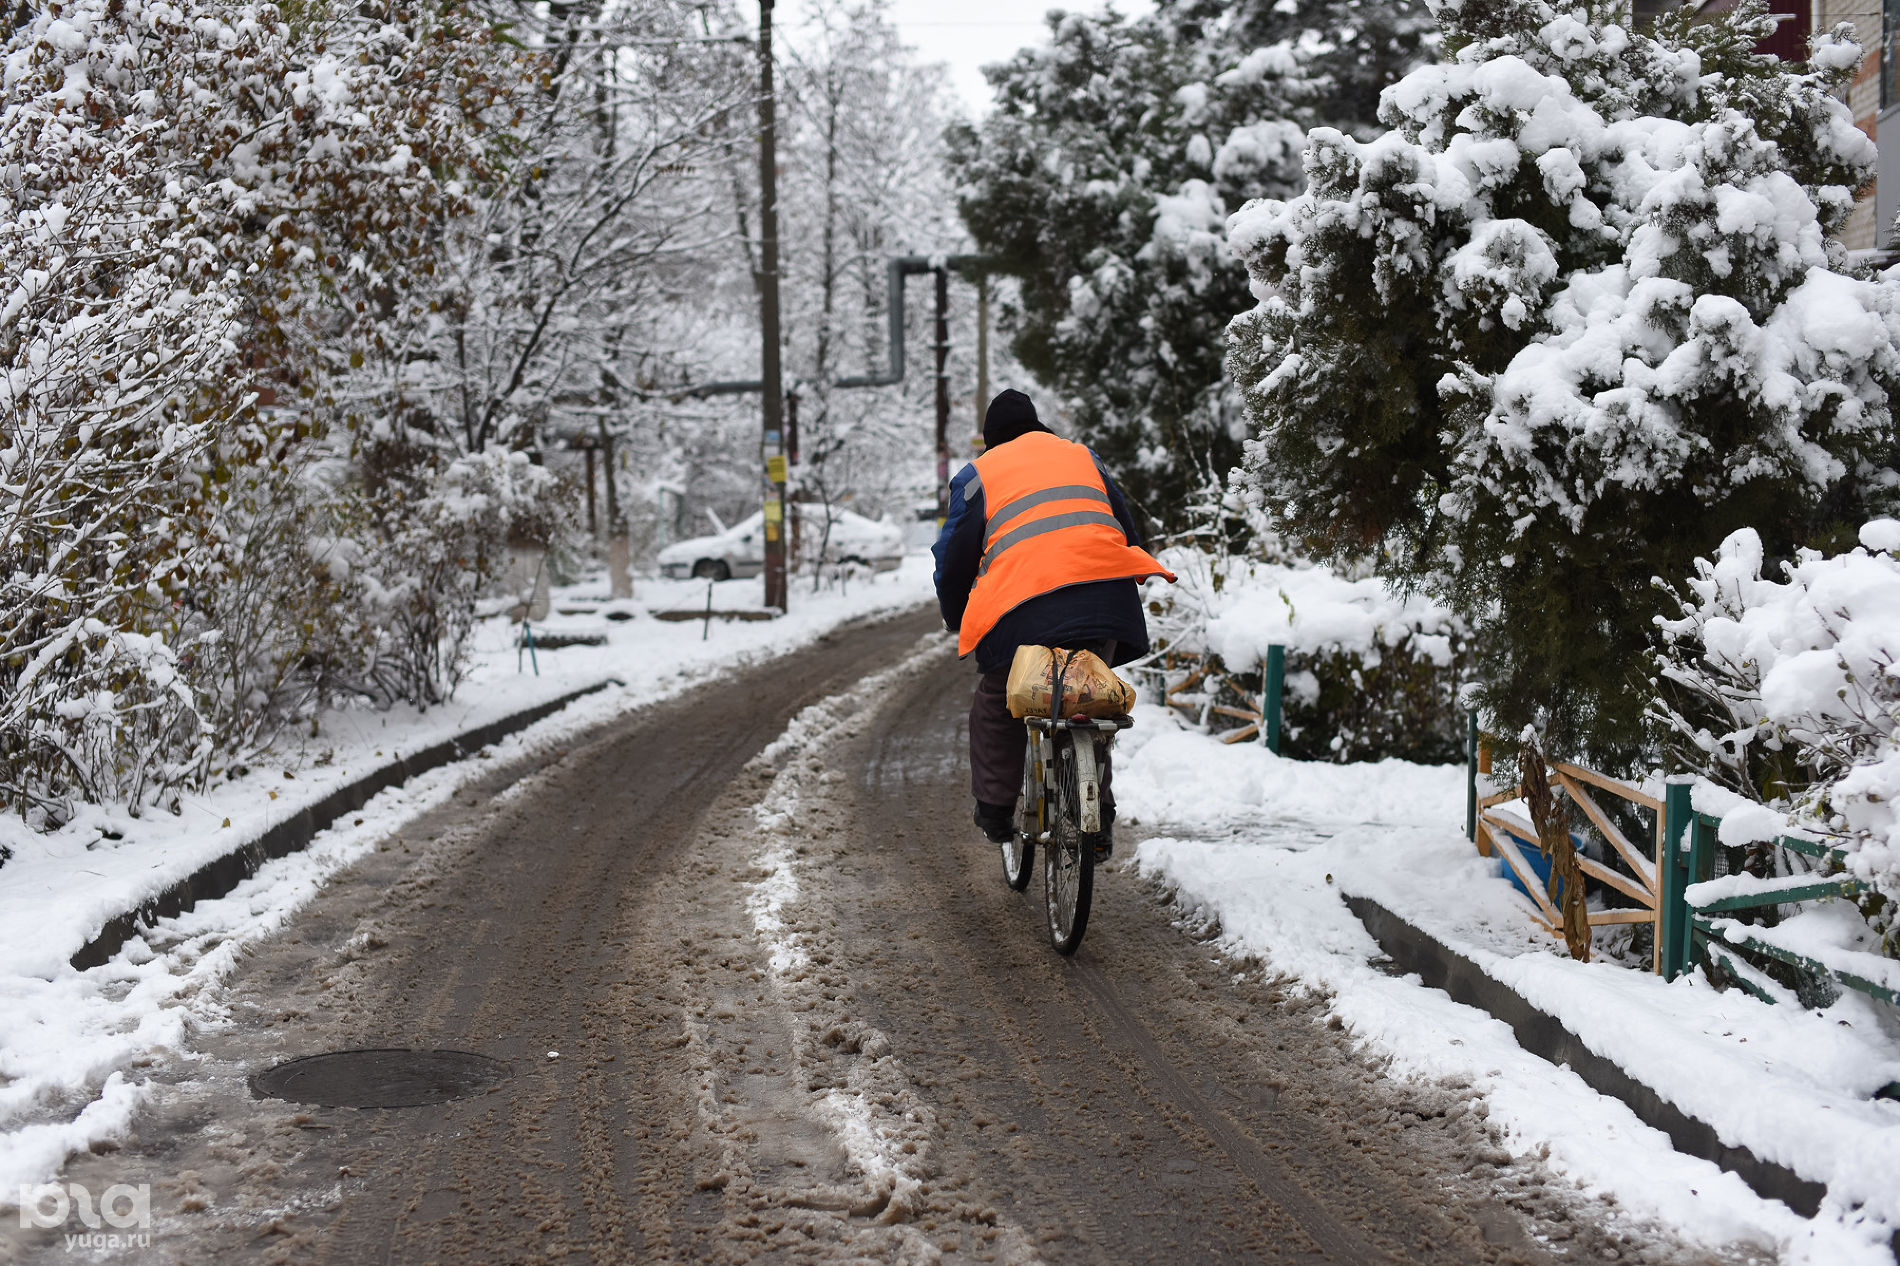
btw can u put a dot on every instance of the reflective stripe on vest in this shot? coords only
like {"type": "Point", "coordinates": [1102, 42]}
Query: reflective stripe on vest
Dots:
{"type": "Point", "coordinates": [1053, 523]}
{"type": "Point", "coordinates": [1050, 525]}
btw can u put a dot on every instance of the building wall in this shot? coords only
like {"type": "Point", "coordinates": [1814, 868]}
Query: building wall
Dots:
{"type": "Point", "coordinates": [1863, 97]}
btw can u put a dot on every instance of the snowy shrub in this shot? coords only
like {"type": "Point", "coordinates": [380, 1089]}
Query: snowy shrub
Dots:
{"type": "Point", "coordinates": [1787, 692]}
{"type": "Point", "coordinates": [1102, 180]}
{"type": "Point", "coordinates": [99, 442]}
{"type": "Point", "coordinates": [124, 727]}
{"type": "Point", "coordinates": [195, 201]}
{"type": "Point", "coordinates": [1578, 315]}
{"type": "Point", "coordinates": [442, 538]}
{"type": "Point", "coordinates": [272, 631]}
{"type": "Point", "coordinates": [110, 324]}
{"type": "Point", "coordinates": [307, 172]}
{"type": "Point", "coordinates": [1369, 674]}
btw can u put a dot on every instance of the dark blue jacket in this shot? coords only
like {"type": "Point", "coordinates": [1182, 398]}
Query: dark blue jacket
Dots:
{"type": "Point", "coordinates": [1089, 612]}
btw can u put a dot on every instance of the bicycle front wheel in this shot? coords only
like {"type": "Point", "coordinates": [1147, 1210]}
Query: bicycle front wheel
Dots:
{"type": "Point", "coordinates": [1068, 863]}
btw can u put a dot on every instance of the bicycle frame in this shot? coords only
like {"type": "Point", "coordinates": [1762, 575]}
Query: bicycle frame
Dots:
{"type": "Point", "coordinates": [1042, 746]}
{"type": "Point", "coordinates": [1068, 833]}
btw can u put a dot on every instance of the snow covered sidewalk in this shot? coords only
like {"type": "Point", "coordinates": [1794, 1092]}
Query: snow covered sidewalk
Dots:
{"type": "Point", "coordinates": [70, 1041]}
{"type": "Point", "coordinates": [1271, 847]}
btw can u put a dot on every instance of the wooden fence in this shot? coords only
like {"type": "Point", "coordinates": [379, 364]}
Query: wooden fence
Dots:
{"type": "Point", "coordinates": [1671, 883]}
{"type": "Point", "coordinates": [1498, 832]}
{"type": "Point", "coordinates": [1193, 687]}
{"type": "Point", "coordinates": [1659, 882]}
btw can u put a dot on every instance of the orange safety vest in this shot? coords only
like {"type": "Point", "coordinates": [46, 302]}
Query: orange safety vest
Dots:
{"type": "Point", "coordinates": [1050, 525]}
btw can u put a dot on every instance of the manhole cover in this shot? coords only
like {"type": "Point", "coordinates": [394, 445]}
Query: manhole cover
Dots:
{"type": "Point", "coordinates": [379, 1078]}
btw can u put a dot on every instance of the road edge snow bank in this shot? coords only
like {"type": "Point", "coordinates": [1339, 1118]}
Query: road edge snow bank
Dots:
{"type": "Point", "coordinates": [218, 877]}
{"type": "Point", "coordinates": [1538, 1032]}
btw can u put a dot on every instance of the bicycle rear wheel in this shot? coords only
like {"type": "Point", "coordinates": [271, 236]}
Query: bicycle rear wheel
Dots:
{"type": "Point", "coordinates": [1019, 851]}
{"type": "Point", "coordinates": [1068, 864]}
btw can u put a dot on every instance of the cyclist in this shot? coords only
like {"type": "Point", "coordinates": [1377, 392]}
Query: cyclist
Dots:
{"type": "Point", "coordinates": [1038, 549]}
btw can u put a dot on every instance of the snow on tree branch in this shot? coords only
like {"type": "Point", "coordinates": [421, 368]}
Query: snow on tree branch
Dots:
{"type": "Point", "coordinates": [1578, 313]}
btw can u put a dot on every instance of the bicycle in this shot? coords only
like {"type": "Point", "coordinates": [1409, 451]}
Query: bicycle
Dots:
{"type": "Point", "coordinates": [1061, 809]}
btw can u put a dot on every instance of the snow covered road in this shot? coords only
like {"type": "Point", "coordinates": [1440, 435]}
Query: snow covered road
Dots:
{"type": "Point", "coordinates": [765, 997]}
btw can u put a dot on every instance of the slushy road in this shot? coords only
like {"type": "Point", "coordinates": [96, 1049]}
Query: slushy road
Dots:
{"type": "Point", "coordinates": [763, 996]}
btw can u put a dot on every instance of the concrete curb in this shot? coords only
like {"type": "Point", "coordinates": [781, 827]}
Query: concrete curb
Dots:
{"type": "Point", "coordinates": [218, 877]}
{"type": "Point", "coordinates": [1543, 1035]}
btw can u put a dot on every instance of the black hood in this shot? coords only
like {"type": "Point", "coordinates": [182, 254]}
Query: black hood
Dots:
{"type": "Point", "coordinates": [1011, 414]}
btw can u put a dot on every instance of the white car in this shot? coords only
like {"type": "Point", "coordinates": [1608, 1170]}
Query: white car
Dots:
{"type": "Point", "coordinates": [739, 551]}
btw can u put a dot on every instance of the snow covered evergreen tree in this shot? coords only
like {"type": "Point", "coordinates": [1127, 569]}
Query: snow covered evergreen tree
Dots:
{"type": "Point", "coordinates": [1578, 315]}
{"type": "Point", "coordinates": [1103, 179]}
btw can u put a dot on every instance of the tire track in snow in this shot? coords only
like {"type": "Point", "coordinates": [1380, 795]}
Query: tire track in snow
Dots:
{"type": "Point", "coordinates": [887, 1132]}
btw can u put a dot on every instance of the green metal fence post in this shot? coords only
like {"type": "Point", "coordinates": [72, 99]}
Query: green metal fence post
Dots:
{"type": "Point", "coordinates": [1672, 872]}
{"type": "Point", "coordinates": [1272, 688]}
{"type": "Point", "coordinates": [1471, 776]}
{"type": "Point", "coordinates": [1699, 865]}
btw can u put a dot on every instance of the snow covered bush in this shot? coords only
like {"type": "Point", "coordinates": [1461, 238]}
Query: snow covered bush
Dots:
{"type": "Point", "coordinates": [1370, 673]}
{"type": "Point", "coordinates": [1788, 693]}
{"type": "Point", "coordinates": [110, 324]}
{"type": "Point", "coordinates": [1102, 180]}
{"type": "Point", "coordinates": [1575, 317]}
{"type": "Point", "coordinates": [101, 428]}
{"type": "Point", "coordinates": [196, 201]}
{"type": "Point", "coordinates": [306, 173]}
{"type": "Point", "coordinates": [441, 542]}
{"type": "Point", "coordinates": [272, 633]}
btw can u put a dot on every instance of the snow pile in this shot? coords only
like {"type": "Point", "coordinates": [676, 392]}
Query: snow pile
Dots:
{"type": "Point", "coordinates": [71, 1042]}
{"type": "Point", "coordinates": [1794, 685]}
{"type": "Point", "coordinates": [1174, 778]}
{"type": "Point", "coordinates": [1270, 845]}
{"type": "Point", "coordinates": [1370, 673]}
{"type": "Point", "coordinates": [1236, 607]}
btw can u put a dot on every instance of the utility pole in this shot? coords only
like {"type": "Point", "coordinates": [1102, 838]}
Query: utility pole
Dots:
{"type": "Point", "coordinates": [943, 392]}
{"type": "Point", "coordinates": [982, 348]}
{"type": "Point", "coordinates": [593, 520]}
{"type": "Point", "coordinates": [619, 548]}
{"type": "Point", "coordinates": [772, 447]}
{"type": "Point", "coordinates": [791, 459]}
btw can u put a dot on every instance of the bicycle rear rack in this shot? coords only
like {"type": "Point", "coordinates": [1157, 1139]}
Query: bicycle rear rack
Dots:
{"type": "Point", "coordinates": [1104, 724]}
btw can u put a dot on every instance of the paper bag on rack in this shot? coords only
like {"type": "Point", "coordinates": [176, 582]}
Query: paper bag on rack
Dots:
{"type": "Point", "coordinates": [1090, 687]}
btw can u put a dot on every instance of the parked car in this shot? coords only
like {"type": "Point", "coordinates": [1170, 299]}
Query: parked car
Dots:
{"type": "Point", "coordinates": [739, 551]}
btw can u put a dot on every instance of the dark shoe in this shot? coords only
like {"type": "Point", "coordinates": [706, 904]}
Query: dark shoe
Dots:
{"type": "Point", "coordinates": [996, 821]}
{"type": "Point", "coordinates": [1105, 842]}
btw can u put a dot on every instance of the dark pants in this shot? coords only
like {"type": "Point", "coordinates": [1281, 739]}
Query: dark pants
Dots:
{"type": "Point", "coordinates": [998, 741]}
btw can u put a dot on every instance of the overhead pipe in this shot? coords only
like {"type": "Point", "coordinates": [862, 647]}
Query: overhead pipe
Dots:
{"type": "Point", "coordinates": [735, 388]}
{"type": "Point", "coordinates": [899, 267]}
{"type": "Point", "coordinates": [896, 271]}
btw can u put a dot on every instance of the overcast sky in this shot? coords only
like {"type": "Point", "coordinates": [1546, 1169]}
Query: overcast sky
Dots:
{"type": "Point", "coordinates": [969, 34]}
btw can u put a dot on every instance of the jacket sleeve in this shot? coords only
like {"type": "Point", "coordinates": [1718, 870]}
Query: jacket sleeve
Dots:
{"type": "Point", "coordinates": [1119, 504]}
{"type": "Point", "coordinates": [959, 546]}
